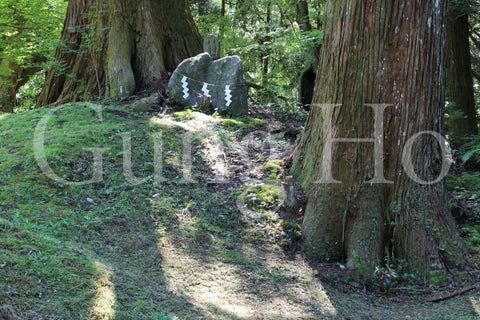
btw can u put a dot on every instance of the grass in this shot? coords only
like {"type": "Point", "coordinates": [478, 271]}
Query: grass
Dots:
{"type": "Point", "coordinates": [157, 249]}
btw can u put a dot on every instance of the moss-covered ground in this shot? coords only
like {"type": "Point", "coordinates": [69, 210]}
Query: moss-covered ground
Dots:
{"type": "Point", "coordinates": [208, 242]}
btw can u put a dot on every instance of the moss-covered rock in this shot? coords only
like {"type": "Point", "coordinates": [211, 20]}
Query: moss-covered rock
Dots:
{"type": "Point", "coordinates": [221, 81]}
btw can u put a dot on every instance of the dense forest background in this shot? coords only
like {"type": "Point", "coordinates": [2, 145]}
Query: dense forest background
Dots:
{"type": "Point", "coordinates": [276, 40]}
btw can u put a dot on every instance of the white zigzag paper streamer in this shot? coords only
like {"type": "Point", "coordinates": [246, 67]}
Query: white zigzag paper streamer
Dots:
{"type": "Point", "coordinates": [205, 89]}
{"type": "Point", "coordinates": [228, 95]}
{"type": "Point", "coordinates": [186, 91]}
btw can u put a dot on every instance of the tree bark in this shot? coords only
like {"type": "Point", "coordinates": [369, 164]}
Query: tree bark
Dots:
{"type": "Point", "coordinates": [462, 120]}
{"type": "Point", "coordinates": [112, 47]}
{"type": "Point", "coordinates": [303, 15]}
{"type": "Point", "coordinates": [378, 52]}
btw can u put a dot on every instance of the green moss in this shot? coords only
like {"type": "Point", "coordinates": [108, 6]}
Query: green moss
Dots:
{"type": "Point", "coordinates": [186, 115]}
{"type": "Point", "coordinates": [242, 122]}
{"type": "Point", "coordinates": [53, 236]}
{"type": "Point", "coordinates": [286, 243]}
{"type": "Point", "coordinates": [290, 225]}
{"type": "Point", "coordinates": [66, 268]}
{"type": "Point", "coordinates": [272, 169]}
{"type": "Point", "coordinates": [261, 197]}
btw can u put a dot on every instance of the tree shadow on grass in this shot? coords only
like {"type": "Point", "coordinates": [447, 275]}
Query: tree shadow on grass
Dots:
{"type": "Point", "coordinates": [117, 251]}
{"type": "Point", "coordinates": [227, 260]}
{"type": "Point", "coordinates": [77, 252]}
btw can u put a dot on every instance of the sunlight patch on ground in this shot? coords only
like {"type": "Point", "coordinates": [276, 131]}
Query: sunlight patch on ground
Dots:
{"type": "Point", "coordinates": [103, 303]}
{"type": "Point", "coordinates": [215, 296]}
{"type": "Point", "coordinates": [215, 156]}
{"type": "Point", "coordinates": [206, 285]}
{"type": "Point", "coordinates": [260, 286]}
{"type": "Point", "coordinates": [476, 304]}
{"type": "Point", "coordinates": [189, 121]}
{"type": "Point", "coordinates": [3, 115]}
{"type": "Point", "coordinates": [296, 287]}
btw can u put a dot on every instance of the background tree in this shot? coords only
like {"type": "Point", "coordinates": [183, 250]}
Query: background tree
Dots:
{"type": "Point", "coordinates": [462, 113]}
{"type": "Point", "coordinates": [387, 52]}
{"type": "Point", "coordinates": [308, 77]}
{"type": "Point", "coordinates": [112, 47]}
{"type": "Point", "coordinates": [27, 33]}
{"type": "Point", "coordinates": [269, 38]}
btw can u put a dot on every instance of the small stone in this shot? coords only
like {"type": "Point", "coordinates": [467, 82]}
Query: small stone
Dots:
{"type": "Point", "coordinates": [211, 44]}
{"type": "Point", "coordinates": [145, 104]}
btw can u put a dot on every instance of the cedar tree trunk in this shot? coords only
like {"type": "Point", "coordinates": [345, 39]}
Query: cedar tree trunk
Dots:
{"type": "Point", "coordinates": [378, 52]}
{"type": "Point", "coordinates": [112, 47]}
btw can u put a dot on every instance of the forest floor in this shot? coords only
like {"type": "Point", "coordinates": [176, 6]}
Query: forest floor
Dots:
{"type": "Point", "coordinates": [210, 242]}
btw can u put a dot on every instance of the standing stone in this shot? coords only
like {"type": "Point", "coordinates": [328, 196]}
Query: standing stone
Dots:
{"type": "Point", "coordinates": [221, 81]}
{"type": "Point", "coordinates": [211, 44]}
{"type": "Point", "coordinates": [289, 194]}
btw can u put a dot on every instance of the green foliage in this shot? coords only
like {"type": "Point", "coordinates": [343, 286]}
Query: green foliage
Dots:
{"type": "Point", "coordinates": [460, 7]}
{"type": "Point", "coordinates": [437, 278]}
{"type": "Point", "coordinates": [28, 29]}
{"type": "Point", "coordinates": [393, 273]}
{"type": "Point", "coordinates": [471, 235]}
{"type": "Point", "coordinates": [471, 148]}
{"type": "Point", "coordinates": [466, 181]}
{"type": "Point", "coordinates": [28, 94]}
{"type": "Point", "coordinates": [453, 113]}
{"type": "Point", "coordinates": [261, 197]}
{"type": "Point", "coordinates": [265, 34]}
{"type": "Point", "coordinates": [466, 190]}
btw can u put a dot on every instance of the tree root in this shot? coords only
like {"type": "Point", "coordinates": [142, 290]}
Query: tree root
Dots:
{"type": "Point", "coordinates": [453, 294]}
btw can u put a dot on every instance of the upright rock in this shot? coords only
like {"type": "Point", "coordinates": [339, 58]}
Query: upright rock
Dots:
{"type": "Point", "coordinates": [211, 44]}
{"type": "Point", "coordinates": [221, 81]}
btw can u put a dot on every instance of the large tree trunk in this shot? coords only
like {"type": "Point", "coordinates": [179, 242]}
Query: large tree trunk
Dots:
{"type": "Point", "coordinates": [462, 121]}
{"type": "Point", "coordinates": [112, 47]}
{"type": "Point", "coordinates": [378, 52]}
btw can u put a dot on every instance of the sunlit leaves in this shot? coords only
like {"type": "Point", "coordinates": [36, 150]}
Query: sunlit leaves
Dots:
{"type": "Point", "coordinates": [27, 28]}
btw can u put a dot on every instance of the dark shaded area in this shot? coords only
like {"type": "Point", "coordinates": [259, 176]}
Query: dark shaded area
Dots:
{"type": "Point", "coordinates": [307, 85]}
